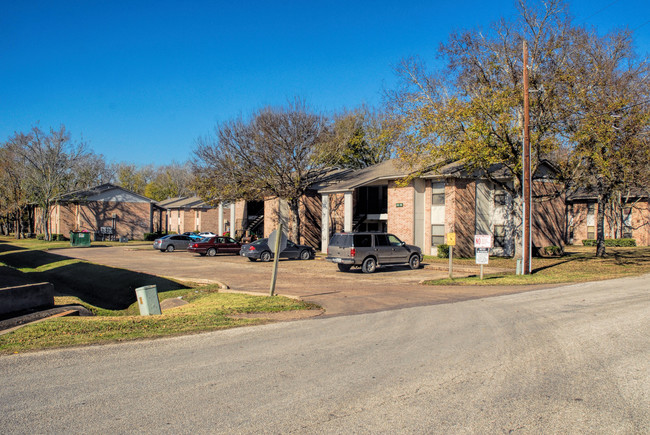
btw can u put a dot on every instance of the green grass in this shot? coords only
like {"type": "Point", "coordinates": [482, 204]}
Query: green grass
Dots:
{"type": "Point", "coordinates": [110, 294]}
{"type": "Point", "coordinates": [580, 264]}
{"type": "Point", "coordinates": [208, 310]}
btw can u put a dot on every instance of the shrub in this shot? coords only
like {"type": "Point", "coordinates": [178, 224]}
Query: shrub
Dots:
{"type": "Point", "coordinates": [58, 237]}
{"type": "Point", "coordinates": [40, 236]}
{"type": "Point", "coordinates": [149, 237]}
{"type": "Point", "coordinates": [621, 243]}
{"type": "Point", "coordinates": [443, 251]}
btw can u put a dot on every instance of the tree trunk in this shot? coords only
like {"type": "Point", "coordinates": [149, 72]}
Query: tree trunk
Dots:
{"type": "Point", "coordinates": [600, 226]}
{"type": "Point", "coordinates": [294, 206]}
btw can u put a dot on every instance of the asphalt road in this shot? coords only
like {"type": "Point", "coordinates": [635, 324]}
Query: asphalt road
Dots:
{"type": "Point", "coordinates": [316, 281]}
{"type": "Point", "coordinates": [572, 359]}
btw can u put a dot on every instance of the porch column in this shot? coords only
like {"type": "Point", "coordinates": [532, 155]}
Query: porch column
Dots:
{"type": "Point", "coordinates": [325, 222]}
{"type": "Point", "coordinates": [220, 229]}
{"type": "Point", "coordinates": [348, 212]}
{"type": "Point", "coordinates": [232, 219]}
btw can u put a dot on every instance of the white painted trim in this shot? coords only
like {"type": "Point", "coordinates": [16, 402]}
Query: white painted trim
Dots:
{"type": "Point", "coordinates": [347, 212]}
{"type": "Point", "coordinates": [325, 222]}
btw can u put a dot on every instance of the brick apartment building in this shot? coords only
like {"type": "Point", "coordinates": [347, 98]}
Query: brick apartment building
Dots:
{"type": "Point", "coordinates": [104, 209]}
{"type": "Point", "coordinates": [630, 219]}
{"type": "Point", "coordinates": [433, 204]}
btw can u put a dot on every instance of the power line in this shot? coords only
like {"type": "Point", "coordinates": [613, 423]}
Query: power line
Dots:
{"type": "Point", "coordinates": [600, 10]}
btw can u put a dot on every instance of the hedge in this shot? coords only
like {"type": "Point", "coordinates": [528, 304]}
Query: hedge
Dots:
{"type": "Point", "coordinates": [443, 251]}
{"type": "Point", "coordinates": [621, 243]}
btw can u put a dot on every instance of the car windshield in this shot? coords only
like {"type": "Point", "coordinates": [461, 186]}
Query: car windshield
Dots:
{"type": "Point", "coordinates": [259, 242]}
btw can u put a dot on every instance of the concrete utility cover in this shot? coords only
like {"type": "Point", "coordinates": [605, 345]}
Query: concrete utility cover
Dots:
{"type": "Point", "coordinates": [283, 241]}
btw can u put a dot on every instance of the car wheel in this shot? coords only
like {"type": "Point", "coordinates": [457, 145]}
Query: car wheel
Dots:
{"type": "Point", "coordinates": [170, 248]}
{"type": "Point", "coordinates": [252, 259]}
{"type": "Point", "coordinates": [211, 252]}
{"type": "Point", "coordinates": [414, 262]}
{"type": "Point", "coordinates": [369, 265]}
{"type": "Point", "coordinates": [305, 255]}
{"type": "Point", "coordinates": [344, 267]}
{"type": "Point", "coordinates": [265, 256]}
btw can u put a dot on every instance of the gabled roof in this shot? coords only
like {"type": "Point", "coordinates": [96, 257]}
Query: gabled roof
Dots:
{"type": "Point", "coordinates": [349, 180]}
{"type": "Point", "coordinates": [183, 202]}
{"type": "Point", "coordinates": [104, 192]}
{"type": "Point", "coordinates": [394, 169]}
{"type": "Point", "coordinates": [590, 194]}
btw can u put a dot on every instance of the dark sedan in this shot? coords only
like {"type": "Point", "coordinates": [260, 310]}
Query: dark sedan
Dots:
{"type": "Point", "coordinates": [212, 246]}
{"type": "Point", "coordinates": [259, 250]}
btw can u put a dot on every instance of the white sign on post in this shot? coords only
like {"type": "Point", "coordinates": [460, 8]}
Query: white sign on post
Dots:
{"type": "Point", "coordinates": [482, 255]}
{"type": "Point", "coordinates": [483, 241]}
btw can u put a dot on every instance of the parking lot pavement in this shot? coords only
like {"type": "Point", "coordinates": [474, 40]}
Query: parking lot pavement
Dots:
{"type": "Point", "coordinates": [317, 281]}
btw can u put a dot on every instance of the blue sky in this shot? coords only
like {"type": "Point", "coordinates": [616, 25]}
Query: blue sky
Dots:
{"type": "Point", "coordinates": [140, 81]}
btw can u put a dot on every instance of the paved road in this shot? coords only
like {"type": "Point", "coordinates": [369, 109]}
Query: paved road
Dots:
{"type": "Point", "coordinates": [315, 281]}
{"type": "Point", "coordinates": [572, 359]}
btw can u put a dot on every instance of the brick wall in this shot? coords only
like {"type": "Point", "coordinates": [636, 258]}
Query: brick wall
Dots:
{"type": "Point", "coordinates": [400, 219]}
{"type": "Point", "coordinates": [548, 216]}
{"type": "Point", "coordinates": [311, 211]}
{"type": "Point", "coordinates": [460, 214]}
{"type": "Point", "coordinates": [640, 222]}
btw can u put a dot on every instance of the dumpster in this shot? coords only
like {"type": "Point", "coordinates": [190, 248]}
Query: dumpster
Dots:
{"type": "Point", "coordinates": [148, 300]}
{"type": "Point", "coordinates": [79, 238]}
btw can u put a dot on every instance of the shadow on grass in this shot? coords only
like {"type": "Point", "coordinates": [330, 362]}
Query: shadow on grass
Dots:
{"type": "Point", "coordinates": [6, 247]}
{"type": "Point", "coordinates": [105, 287]}
{"type": "Point", "coordinates": [31, 259]}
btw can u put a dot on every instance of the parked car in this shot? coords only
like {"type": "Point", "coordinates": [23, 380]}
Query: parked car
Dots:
{"type": "Point", "coordinates": [207, 234]}
{"type": "Point", "coordinates": [260, 250]}
{"type": "Point", "coordinates": [193, 236]}
{"type": "Point", "coordinates": [371, 250]}
{"type": "Point", "coordinates": [172, 242]}
{"type": "Point", "coordinates": [212, 246]}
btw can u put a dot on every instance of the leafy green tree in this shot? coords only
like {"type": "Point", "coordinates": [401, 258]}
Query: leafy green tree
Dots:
{"type": "Point", "coordinates": [358, 139]}
{"type": "Point", "coordinates": [472, 111]}
{"type": "Point", "coordinates": [170, 181]}
{"type": "Point", "coordinates": [608, 120]}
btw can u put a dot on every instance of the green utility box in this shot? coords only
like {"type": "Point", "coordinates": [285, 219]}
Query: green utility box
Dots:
{"type": "Point", "coordinates": [79, 238]}
{"type": "Point", "coordinates": [148, 300]}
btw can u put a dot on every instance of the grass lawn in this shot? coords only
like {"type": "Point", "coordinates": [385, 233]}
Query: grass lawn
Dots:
{"type": "Point", "coordinates": [110, 294]}
{"type": "Point", "coordinates": [578, 265]}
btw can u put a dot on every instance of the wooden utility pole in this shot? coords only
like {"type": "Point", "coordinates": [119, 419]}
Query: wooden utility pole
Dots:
{"type": "Point", "coordinates": [526, 182]}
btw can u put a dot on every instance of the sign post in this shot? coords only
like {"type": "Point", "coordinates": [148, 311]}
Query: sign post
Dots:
{"type": "Point", "coordinates": [482, 244]}
{"type": "Point", "coordinates": [277, 242]}
{"type": "Point", "coordinates": [451, 242]}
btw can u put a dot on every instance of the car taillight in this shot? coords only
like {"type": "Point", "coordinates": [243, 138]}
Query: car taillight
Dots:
{"type": "Point", "coordinates": [251, 248]}
{"type": "Point", "coordinates": [196, 245]}
{"type": "Point", "coordinates": [353, 252]}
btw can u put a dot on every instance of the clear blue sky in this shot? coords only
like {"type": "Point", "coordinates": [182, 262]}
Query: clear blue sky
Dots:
{"type": "Point", "coordinates": [140, 81]}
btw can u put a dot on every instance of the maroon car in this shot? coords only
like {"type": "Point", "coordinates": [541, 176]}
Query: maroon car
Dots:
{"type": "Point", "coordinates": [212, 246]}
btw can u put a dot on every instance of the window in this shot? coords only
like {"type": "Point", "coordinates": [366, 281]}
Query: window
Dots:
{"type": "Point", "coordinates": [381, 240]}
{"type": "Point", "coordinates": [591, 232]}
{"type": "Point", "coordinates": [438, 193]}
{"type": "Point", "coordinates": [437, 235]}
{"type": "Point", "coordinates": [394, 241]}
{"type": "Point", "coordinates": [627, 223]}
{"type": "Point", "coordinates": [362, 240]}
{"type": "Point", "coordinates": [499, 236]}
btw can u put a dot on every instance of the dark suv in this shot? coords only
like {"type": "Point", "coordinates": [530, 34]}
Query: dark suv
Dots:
{"type": "Point", "coordinates": [371, 250]}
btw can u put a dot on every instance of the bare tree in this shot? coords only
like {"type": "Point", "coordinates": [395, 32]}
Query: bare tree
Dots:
{"type": "Point", "coordinates": [274, 153]}
{"type": "Point", "coordinates": [49, 159]}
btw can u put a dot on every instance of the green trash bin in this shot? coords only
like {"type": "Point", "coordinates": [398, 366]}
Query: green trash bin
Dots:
{"type": "Point", "coordinates": [79, 238]}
